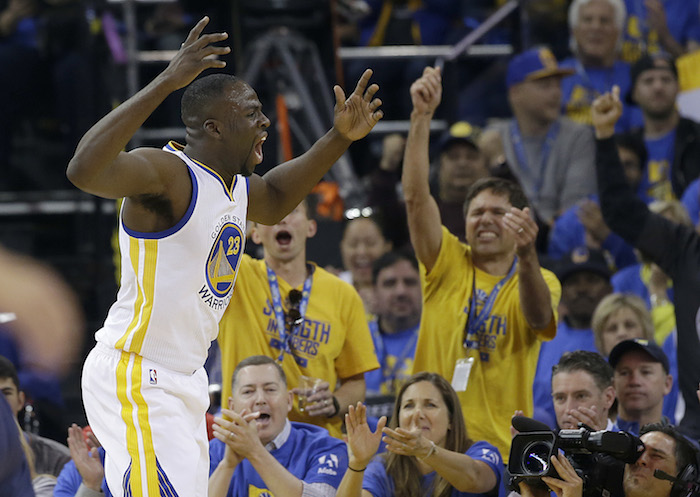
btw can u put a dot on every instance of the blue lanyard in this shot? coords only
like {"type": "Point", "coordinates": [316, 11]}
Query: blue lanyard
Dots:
{"type": "Point", "coordinates": [381, 352]}
{"type": "Point", "coordinates": [474, 320]}
{"type": "Point", "coordinates": [279, 310]}
{"type": "Point", "coordinates": [519, 149]}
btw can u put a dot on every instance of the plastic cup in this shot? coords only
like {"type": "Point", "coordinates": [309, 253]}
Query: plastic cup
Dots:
{"type": "Point", "coordinates": [308, 385]}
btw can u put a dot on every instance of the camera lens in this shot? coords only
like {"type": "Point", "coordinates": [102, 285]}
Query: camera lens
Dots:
{"type": "Point", "coordinates": [536, 458]}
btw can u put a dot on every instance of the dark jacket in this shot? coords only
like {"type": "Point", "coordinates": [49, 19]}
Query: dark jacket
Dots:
{"type": "Point", "coordinates": [686, 154]}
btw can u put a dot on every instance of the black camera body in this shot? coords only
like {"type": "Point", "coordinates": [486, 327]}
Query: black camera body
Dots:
{"type": "Point", "coordinates": [599, 458]}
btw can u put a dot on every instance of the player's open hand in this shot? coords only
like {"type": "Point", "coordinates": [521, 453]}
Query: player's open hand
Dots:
{"type": "Point", "coordinates": [605, 112]}
{"type": "Point", "coordinates": [196, 54]}
{"type": "Point", "coordinates": [357, 115]}
{"type": "Point", "coordinates": [426, 91]}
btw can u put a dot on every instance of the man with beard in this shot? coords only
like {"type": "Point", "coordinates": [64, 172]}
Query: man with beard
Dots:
{"type": "Point", "coordinates": [673, 142]}
{"type": "Point", "coordinates": [395, 328]}
{"type": "Point", "coordinates": [585, 279]}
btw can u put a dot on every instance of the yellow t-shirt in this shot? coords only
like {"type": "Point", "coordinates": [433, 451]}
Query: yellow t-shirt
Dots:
{"type": "Point", "coordinates": [334, 341]}
{"type": "Point", "coordinates": [505, 351]}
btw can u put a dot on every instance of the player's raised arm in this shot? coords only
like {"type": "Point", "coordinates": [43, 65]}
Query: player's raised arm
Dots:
{"type": "Point", "coordinates": [100, 166]}
{"type": "Point", "coordinates": [278, 192]}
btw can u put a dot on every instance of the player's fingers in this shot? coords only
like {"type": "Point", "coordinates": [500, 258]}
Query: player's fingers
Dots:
{"type": "Point", "coordinates": [208, 39]}
{"type": "Point", "coordinates": [363, 82]}
{"type": "Point", "coordinates": [339, 95]}
{"type": "Point", "coordinates": [369, 94]}
{"type": "Point", "coordinates": [196, 30]}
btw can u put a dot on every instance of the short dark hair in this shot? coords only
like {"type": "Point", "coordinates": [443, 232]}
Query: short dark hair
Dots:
{"type": "Point", "coordinates": [685, 453]}
{"type": "Point", "coordinates": [635, 143]}
{"type": "Point", "coordinates": [203, 91]}
{"type": "Point", "coordinates": [257, 360]}
{"type": "Point", "coordinates": [8, 370]}
{"type": "Point", "coordinates": [590, 362]}
{"type": "Point", "coordinates": [499, 186]}
{"type": "Point", "coordinates": [389, 259]}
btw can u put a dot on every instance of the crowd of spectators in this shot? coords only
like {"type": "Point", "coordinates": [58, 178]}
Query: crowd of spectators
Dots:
{"type": "Point", "coordinates": [545, 265]}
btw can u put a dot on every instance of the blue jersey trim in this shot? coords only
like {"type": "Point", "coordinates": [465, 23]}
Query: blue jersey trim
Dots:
{"type": "Point", "coordinates": [176, 147]}
{"type": "Point", "coordinates": [179, 225]}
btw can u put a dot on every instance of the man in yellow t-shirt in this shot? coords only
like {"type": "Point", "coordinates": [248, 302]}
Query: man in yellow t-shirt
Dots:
{"type": "Point", "coordinates": [486, 305]}
{"type": "Point", "coordinates": [324, 330]}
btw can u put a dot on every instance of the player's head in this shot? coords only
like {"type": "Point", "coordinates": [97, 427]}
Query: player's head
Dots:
{"type": "Point", "coordinates": [224, 123]}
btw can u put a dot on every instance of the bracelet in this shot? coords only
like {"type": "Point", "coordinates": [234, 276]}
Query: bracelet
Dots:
{"type": "Point", "coordinates": [433, 450]}
{"type": "Point", "coordinates": [357, 470]}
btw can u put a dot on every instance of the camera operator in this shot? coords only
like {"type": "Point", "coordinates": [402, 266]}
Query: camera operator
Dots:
{"type": "Point", "coordinates": [665, 449]}
{"type": "Point", "coordinates": [582, 391]}
{"type": "Point", "coordinates": [666, 452]}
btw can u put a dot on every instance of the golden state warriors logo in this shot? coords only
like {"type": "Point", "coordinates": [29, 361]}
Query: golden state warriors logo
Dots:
{"type": "Point", "coordinates": [223, 259]}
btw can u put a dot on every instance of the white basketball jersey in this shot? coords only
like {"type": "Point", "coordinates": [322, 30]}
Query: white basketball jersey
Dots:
{"type": "Point", "coordinates": [176, 284]}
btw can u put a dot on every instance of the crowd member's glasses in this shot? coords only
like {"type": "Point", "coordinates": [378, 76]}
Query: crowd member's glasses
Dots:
{"type": "Point", "coordinates": [294, 317]}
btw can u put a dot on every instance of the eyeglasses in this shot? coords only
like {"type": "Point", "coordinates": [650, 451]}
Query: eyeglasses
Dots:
{"type": "Point", "coordinates": [293, 316]}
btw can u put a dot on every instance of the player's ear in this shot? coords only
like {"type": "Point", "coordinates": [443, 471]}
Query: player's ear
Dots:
{"type": "Point", "coordinates": [213, 128]}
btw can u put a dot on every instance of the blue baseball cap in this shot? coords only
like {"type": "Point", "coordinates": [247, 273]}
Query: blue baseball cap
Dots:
{"type": "Point", "coordinates": [655, 352]}
{"type": "Point", "coordinates": [536, 63]}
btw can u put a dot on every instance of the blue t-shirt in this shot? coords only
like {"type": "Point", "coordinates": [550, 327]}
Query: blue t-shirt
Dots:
{"type": "Point", "coordinates": [69, 480]}
{"type": "Point", "coordinates": [656, 181]}
{"type": "Point", "coordinates": [691, 201]}
{"type": "Point", "coordinates": [683, 23]}
{"type": "Point", "coordinates": [377, 482]}
{"type": "Point", "coordinates": [567, 340]}
{"type": "Point", "coordinates": [580, 89]}
{"type": "Point", "coordinates": [395, 353]}
{"type": "Point", "coordinates": [309, 453]}
{"type": "Point", "coordinates": [569, 233]}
